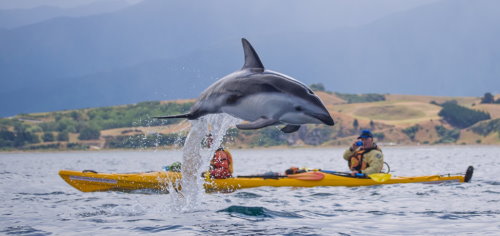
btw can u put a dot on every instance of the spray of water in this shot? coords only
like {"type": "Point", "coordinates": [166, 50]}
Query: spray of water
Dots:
{"type": "Point", "coordinates": [196, 160]}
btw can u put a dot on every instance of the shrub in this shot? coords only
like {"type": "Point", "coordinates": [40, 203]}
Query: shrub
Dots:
{"type": "Point", "coordinates": [269, 136]}
{"type": "Point", "coordinates": [412, 131]}
{"type": "Point", "coordinates": [63, 136]}
{"type": "Point", "coordinates": [316, 136]}
{"type": "Point", "coordinates": [317, 87]}
{"type": "Point", "coordinates": [355, 124]}
{"type": "Point", "coordinates": [7, 138]}
{"type": "Point", "coordinates": [89, 133]}
{"type": "Point", "coordinates": [141, 141]}
{"type": "Point", "coordinates": [77, 146]}
{"type": "Point", "coordinates": [48, 137]}
{"type": "Point", "coordinates": [359, 98]}
{"type": "Point", "coordinates": [446, 135]}
{"type": "Point", "coordinates": [42, 147]}
{"type": "Point", "coordinates": [379, 136]}
{"type": "Point", "coordinates": [487, 127]}
{"type": "Point", "coordinates": [23, 136]}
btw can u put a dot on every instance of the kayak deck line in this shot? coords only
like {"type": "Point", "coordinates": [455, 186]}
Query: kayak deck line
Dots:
{"type": "Point", "coordinates": [92, 181]}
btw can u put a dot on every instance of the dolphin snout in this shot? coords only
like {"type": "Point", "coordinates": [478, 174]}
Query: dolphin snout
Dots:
{"type": "Point", "coordinates": [324, 117]}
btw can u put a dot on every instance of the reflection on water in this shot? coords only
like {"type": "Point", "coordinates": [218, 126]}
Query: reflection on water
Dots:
{"type": "Point", "coordinates": [37, 202]}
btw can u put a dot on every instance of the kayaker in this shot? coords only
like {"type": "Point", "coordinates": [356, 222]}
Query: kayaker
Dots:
{"type": "Point", "coordinates": [364, 157]}
{"type": "Point", "coordinates": [221, 165]}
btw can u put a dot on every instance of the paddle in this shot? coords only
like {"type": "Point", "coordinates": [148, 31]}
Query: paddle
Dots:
{"type": "Point", "coordinates": [308, 176]}
{"type": "Point", "coordinates": [380, 177]}
{"type": "Point", "coordinates": [314, 176]}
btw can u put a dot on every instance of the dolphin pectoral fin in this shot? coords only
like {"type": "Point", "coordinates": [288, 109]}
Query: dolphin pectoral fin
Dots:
{"type": "Point", "coordinates": [290, 128]}
{"type": "Point", "coordinates": [260, 123]}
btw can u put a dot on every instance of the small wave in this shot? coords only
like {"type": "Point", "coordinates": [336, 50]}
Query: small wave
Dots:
{"type": "Point", "coordinates": [43, 194]}
{"type": "Point", "coordinates": [109, 205]}
{"type": "Point", "coordinates": [23, 230]}
{"type": "Point", "coordinates": [454, 215]}
{"type": "Point", "coordinates": [91, 214]}
{"type": "Point", "coordinates": [259, 212]}
{"type": "Point", "coordinates": [492, 182]}
{"type": "Point", "coordinates": [247, 195]}
{"type": "Point", "coordinates": [379, 213]}
{"type": "Point", "coordinates": [322, 194]}
{"type": "Point", "coordinates": [490, 191]}
{"type": "Point", "coordinates": [156, 229]}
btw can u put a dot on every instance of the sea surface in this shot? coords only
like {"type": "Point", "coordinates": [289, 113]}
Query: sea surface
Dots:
{"type": "Point", "coordinates": [36, 201]}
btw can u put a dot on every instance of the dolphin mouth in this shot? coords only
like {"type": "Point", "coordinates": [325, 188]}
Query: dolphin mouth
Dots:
{"type": "Point", "coordinates": [325, 118]}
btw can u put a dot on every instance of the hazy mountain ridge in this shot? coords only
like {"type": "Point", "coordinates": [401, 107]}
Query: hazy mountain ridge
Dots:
{"type": "Point", "coordinates": [412, 52]}
{"type": "Point", "coordinates": [13, 18]}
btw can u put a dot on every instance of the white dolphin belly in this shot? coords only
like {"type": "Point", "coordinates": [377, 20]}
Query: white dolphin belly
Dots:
{"type": "Point", "coordinates": [270, 105]}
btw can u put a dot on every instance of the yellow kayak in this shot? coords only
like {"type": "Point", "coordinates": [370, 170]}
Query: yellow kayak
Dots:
{"type": "Point", "coordinates": [91, 181]}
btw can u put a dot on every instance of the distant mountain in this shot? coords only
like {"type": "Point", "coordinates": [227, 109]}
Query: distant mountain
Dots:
{"type": "Point", "coordinates": [27, 4]}
{"type": "Point", "coordinates": [174, 49]}
{"type": "Point", "coordinates": [12, 18]}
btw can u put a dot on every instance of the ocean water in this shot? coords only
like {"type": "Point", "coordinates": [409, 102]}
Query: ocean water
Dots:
{"type": "Point", "coordinates": [36, 201]}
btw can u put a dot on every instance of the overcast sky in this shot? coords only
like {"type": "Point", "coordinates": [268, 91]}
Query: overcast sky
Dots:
{"type": "Point", "coordinates": [12, 4]}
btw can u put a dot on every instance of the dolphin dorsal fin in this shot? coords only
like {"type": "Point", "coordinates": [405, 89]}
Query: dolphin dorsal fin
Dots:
{"type": "Point", "coordinates": [252, 60]}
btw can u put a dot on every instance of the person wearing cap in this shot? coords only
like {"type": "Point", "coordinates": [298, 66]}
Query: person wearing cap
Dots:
{"type": "Point", "coordinates": [364, 157]}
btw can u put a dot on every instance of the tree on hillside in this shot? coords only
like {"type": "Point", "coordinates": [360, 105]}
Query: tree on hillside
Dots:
{"type": "Point", "coordinates": [7, 138]}
{"type": "Point", "coordinates": [461, 117]}
{"type": "Point", "coordinates": [48, 137]}
{"type": "Point", "coordinates": [355, 124]}
{"type": "Point", "coordinates": [446, 135]}
{"type": "Point", "coordinates": [411, 132]}
{"type": "Point", "coordinates": [488, 98]}
{"type": "Point", "coordinates": [361, 98]}
{"type": "Point", "coordinates": [63, 136]}
{"type": "Point", "coordinates": [89, 133]}
{"type": "Point", "coordinates": [372, 124]}
{"type": "Point", "coordinates": [487, 127]}
{"type": "Point", "coordinates": [317, 87]}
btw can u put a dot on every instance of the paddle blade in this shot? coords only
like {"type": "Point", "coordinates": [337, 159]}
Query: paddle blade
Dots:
{"type": "Point", "coordinates": [308, 176]}
{"type": "Point", "coordinates": [380, 177]}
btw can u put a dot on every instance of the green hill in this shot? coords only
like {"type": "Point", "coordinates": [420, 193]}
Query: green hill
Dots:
{"type": "Point", "coordinates": [394, 119]}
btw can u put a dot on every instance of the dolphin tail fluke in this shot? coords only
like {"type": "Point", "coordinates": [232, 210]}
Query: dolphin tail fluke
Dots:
{"type": "Point", "coordinates": [187, 116]}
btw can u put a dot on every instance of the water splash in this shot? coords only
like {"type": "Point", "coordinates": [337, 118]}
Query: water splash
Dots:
{"type": "Point", "coordinates": [195, 159]}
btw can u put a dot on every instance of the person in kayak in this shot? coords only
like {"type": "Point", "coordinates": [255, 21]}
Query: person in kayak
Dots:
{"type": "Point", "coordinates": [364, 157]}
{"type": "Point", "coordinates": [221, 165]}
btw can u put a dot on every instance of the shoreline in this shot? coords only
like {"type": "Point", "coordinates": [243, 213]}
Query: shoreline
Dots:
{"type": "Point", "coordinates": [254, 148]}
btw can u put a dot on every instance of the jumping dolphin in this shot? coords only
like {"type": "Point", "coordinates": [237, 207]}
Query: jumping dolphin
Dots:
{"type": "Point", "coordinates": [260, 96]}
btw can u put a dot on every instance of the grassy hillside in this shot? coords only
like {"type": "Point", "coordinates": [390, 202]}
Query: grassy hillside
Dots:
{"type": "Point", "coordinates": [394, 119]}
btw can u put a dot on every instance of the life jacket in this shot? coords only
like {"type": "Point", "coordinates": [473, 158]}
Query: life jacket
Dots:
{"type": "Point", "coordinates": [221, 165]}
{"type": "Point", "coordinates": [356, 161]}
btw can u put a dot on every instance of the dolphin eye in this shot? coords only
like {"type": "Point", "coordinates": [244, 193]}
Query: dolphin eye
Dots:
{"type": "Point", "coordinates": [298, 108]}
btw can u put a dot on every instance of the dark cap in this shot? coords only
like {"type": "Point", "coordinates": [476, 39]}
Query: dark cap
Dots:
{"type": "Point", "coordinates": [366, 134]}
